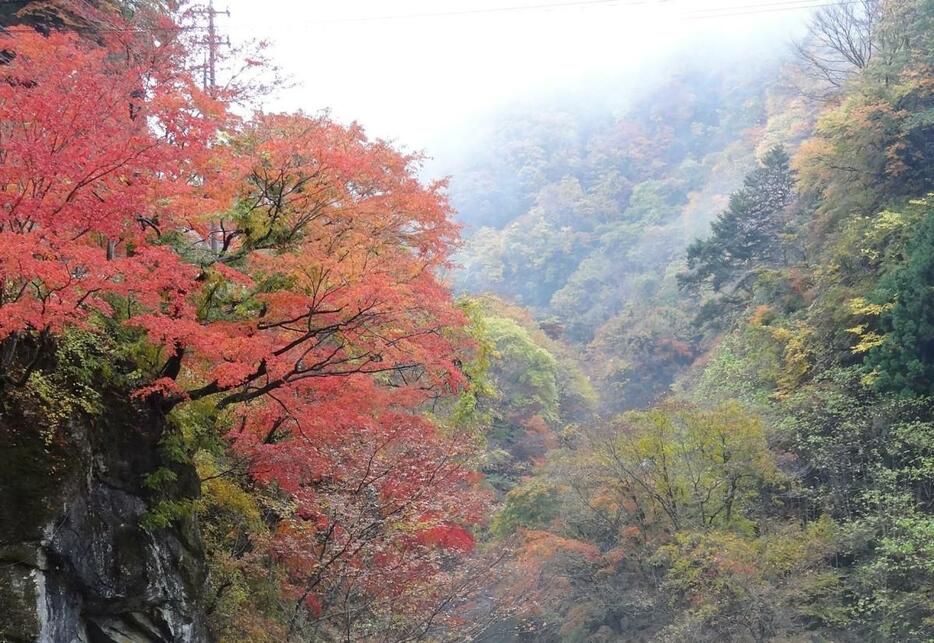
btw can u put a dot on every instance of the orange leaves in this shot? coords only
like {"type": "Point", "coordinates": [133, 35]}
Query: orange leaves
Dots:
{"type": "Point", "coordinates": [324, 174]}
{"type": "Point", "coordinates": [318, 247]}
{"type": "Point", "coordinates": [285, 268]}
{"type": "Point", "coordinates": [447, 536]}
{"type": "Point", "coordinates": [761, 315]}
{"type": "Point", "coordinates": [541, 546]}
{"type": "Point", "coordinates": [90, 170]}
{"type": "Point", "coordinates": [335, 246]}
{"type": "Point", "coordinates": [80, 148]}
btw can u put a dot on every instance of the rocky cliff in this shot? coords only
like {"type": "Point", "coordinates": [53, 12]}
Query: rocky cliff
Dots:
{"type": "Point", "coordinates": [75, 562]}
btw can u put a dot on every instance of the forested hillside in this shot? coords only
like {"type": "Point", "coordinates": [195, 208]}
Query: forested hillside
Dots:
{"type": "Point", "coordinates": [585, 218]}
{"type": "Point", "coordinates": [748, 278]}
{"type": "Point", "coordinates": [673, 379]}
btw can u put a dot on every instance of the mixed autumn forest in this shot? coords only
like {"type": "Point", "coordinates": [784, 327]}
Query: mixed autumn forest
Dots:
{"type": "Point", "coordinates": [660, 368]}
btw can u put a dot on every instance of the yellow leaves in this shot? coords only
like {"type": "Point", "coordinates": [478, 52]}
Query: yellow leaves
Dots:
{"type": "Point", "coordinates": [869, 379]}
{"type": "Point", "coordinates": [690, 464]}
{"type": "Point", "coordinates": [925, 202]}
{"type": "Point", "coordinates": [796, 352]}
{"type": "Point", "coordinates": [230, 497]}
{"type": "Point", "coordinates": [221, 493]}
{"type": "Point", "coordinates": [866, 339]}
{"type": "Point", "coordinates": [797, 359]}
{"type": "Point", "coordinates": [862, 150]}
{"type": "Point", "coordinates": [810, 163]}
{"type": "Point", "coordinates": [888, 221]}
{"type": "Point", "coordinates": [793, 548]}
{"type": "Point", "coordinates": [823, 529]}
{"type": "Point", "coordinates": [887, 231]}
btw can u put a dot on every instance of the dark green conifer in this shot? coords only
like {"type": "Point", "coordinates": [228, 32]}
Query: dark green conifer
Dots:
{"type": "Point", "coordinates": [745, 236]}
{"type": "Point", "coordinates": [904, 362]}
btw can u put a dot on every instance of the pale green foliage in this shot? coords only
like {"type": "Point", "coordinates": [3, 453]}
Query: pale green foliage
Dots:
{"type": "Point", "coordinates": [700, 467]}
{"type": "Point", "coordinates": [525, 371]}
{"type": "Point", "coordinates": [748, 588]}
{"type": "Point", "coordinates": [531, 505]}
{"type": "Point", "coordinates": [469, 410]}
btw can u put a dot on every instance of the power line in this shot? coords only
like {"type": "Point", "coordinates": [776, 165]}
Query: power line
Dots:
{"type": "Point", "coordinates": [747, 10]}
{"type": "Point", "coordinates": [726, 11]}
{"type": "Point", "coordinates": [491, 10]}
{"type": "Point", "coordinates": [772, 3]}
{"type": "Point", "coordinates": [700, 14]}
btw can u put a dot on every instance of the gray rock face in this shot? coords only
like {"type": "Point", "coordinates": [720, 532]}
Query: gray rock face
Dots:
{"type": "Point", "coordinates": [75, 564]}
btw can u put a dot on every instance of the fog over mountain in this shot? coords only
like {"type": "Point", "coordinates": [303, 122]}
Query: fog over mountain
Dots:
{"type": "Point", "coordinates": [424, 73]}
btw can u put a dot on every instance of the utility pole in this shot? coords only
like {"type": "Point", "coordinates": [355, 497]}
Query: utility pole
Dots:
{"type": "Point", "coordinates": [213, 42]}
{"type": "Point", "coordinates": [209, 82]}
{"type": "Point", "coordinates": [212, 47]}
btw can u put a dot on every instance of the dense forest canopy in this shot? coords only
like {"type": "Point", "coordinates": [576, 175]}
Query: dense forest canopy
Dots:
{"type": "Point", "coordinates": [658, 366]}
{"type": "Point", "coordinates": [764, 330]}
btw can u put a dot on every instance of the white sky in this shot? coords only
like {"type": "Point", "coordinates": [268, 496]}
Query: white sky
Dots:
{"type": "Point", "coordinates": [418, 80]}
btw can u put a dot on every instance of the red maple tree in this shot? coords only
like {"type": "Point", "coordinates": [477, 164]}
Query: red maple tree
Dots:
{"type": "Point", "coordinates": [286, 269]}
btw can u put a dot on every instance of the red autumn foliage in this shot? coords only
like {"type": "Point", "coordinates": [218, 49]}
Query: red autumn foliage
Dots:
{"type": "Point", "coordinates": [95, 152]}
{"type": "Point", "coordinates": [286, 269]}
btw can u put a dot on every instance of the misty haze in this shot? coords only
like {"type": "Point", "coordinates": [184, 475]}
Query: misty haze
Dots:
{"type": "Point", "coordinates": [504, 321]}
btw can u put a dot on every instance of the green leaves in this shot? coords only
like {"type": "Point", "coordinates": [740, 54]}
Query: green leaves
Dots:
{"type": "Point", "coordinates": [531, 505]}
{"type": "Point", "coordinates": [745, 235]}
{"type": "Point", "coordinates": [903, 361]}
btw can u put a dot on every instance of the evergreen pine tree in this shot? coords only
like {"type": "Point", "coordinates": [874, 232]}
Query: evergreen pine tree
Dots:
{"type": "Point", "coordinates": [745, 235]}
{"type": "Point", "coordinates": [904, 362]}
